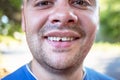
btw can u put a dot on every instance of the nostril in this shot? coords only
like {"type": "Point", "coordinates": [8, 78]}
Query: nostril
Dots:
{"type": "Point", "coordinates": [70, 21]}
{"type": "Point", "coordinates": [55, 21]}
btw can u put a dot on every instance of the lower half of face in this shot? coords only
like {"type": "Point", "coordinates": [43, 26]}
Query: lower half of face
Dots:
{"type": "Point", "coordinates": [58, 55]}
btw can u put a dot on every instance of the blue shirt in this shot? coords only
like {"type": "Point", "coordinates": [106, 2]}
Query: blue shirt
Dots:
{"type": "Point", "coordinates": [24, 73]}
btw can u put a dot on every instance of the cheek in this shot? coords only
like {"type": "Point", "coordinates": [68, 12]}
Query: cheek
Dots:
{"type": "Point", "coordinates": [89, 23]}
{"type": "Point", "coordinates": [35, 21]}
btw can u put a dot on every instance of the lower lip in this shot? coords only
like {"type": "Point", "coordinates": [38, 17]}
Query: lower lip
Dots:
{"type": "Point", "coordinates": [60, 44]}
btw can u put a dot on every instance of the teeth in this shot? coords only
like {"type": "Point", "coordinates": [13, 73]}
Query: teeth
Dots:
{"type": "Point", "coordinates": [60, 38]}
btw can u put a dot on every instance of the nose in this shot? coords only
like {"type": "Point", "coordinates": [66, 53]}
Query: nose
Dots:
{"type": "Point", "coordinates": [63, 17]}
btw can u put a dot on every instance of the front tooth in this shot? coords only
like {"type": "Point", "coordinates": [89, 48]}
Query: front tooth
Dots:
{"type": "Point", "coordinates": [65, 39]}
{"type": "Point", "coordinates": [58, 39]}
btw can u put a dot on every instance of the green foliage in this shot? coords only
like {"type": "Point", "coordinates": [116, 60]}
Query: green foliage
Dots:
{"type": "Point", "coordinates": [11, 10]}
{"type": "Point", "coordinates": [15, 3]}
{"type": "Point", "coordinates": [110, 17]}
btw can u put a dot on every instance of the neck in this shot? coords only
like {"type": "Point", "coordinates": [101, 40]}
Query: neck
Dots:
{"type": "Point", "coordinates": [43, 74]}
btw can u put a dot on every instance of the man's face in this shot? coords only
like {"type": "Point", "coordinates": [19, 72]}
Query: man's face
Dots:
{"type": "Point", "coordinates": [60, 32]}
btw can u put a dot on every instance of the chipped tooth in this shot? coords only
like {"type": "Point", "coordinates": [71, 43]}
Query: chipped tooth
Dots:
{"type": "Point", "coordinates": [58, 38]}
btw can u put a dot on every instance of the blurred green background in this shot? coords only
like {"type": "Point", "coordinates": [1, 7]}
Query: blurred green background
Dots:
{"type": "Point", "coordinates": [10, 19]}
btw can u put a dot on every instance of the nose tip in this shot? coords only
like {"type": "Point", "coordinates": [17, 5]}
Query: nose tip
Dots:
{"type": "Point", "coordinates": [63, 18]}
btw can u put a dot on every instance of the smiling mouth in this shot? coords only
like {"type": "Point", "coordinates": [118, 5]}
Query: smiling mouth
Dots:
{"type": "Point", "coordinates": [62, 39]}
{"type": "Point", "coordinates": [60, 36]}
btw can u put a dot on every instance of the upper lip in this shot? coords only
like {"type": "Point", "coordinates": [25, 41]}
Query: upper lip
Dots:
{"type": "Point", "coordinates": [64, 33]}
